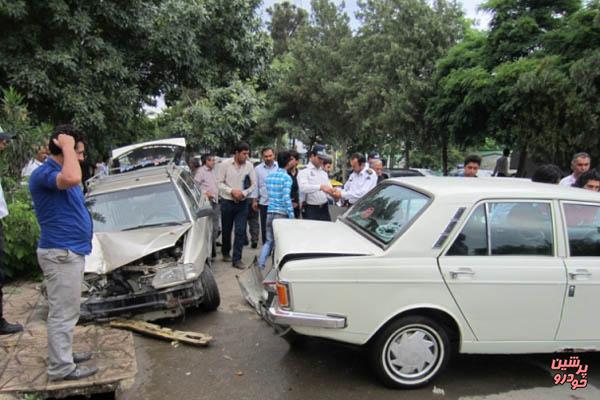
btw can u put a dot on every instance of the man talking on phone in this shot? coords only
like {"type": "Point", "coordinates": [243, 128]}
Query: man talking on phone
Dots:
{"type": "Point", "coordinates": [66, 238]}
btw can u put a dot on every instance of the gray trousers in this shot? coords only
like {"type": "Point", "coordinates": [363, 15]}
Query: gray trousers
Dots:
{"type": "Point", "coordinates": [216, 220]}
{"type": "Point", "coordinates": [63, 272]}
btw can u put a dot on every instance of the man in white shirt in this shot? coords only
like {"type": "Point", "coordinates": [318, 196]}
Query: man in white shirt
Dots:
{"type": "Point", "coordinates": [5, 327]}
{"type": "Point", "coordinates": [579, 164]}
{"type": "Point", "coordinates": [361, 180]}
{"type": "Point", "coordinates": [314, 185]}
{"type": "Point", "coordinates": [35, 162]}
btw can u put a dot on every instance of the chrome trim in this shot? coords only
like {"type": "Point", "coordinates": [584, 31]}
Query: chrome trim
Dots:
{"type": "Point", "coordinates": [448, 230]}
{"type": "Point", "coordinates": [293, 318]}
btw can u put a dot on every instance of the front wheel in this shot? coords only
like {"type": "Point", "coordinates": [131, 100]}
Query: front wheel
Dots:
{"type": "Point", "coordinates": [212, 299]}
{"type": "Point", "coordinates": [410, 352]}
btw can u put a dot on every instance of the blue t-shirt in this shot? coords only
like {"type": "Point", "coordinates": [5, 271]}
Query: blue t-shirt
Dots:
{"type": "Point", "coordinates": [63, 217]}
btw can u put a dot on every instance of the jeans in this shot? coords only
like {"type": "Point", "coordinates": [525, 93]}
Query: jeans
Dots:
{"type": "Point", "coordinates": [63, 272]}
{"type": "Point", "coordinates": [263, 222]}
{"type": "Point", "coordinates": [253, 223]}
{"type": "Point", "coordinates": [234, 215]}
{"type": "Point", "coordinates": [268, 245]}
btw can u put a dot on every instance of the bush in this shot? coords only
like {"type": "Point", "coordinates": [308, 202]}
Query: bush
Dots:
{"type": "Point", "coordinates": [21, 232]}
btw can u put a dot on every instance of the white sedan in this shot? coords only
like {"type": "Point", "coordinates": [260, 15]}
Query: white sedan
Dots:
{"type": "Point", "coordinates": [421, 269]}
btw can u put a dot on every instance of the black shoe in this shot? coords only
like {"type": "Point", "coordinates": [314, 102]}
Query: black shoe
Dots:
{"type": "Point", "coordinates": [238, 265]}
{"type": "Point", "coordinates": [81, 356]}
{"type": "Point", "coordinates": [80, 372]}
{"type": "Point", "coordinates": [6, 328]}
{"type": "Point", "coordinates": [254, 245]}
{"type": "Point", "coordinates": [226, 257]}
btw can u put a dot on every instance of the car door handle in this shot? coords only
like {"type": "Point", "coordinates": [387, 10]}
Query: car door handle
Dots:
{"type": "Point", "coordinates": [580, 272]}
{"type": "Point", "coordinates": [461, 271]}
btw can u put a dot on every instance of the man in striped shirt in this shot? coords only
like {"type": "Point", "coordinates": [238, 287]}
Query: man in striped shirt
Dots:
{"type": "Point", "coordinates": [279, 188]}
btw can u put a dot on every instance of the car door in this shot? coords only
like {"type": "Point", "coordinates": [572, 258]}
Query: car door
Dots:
{"type": "Point", "coordinates": [582, 222]}
{"type": "Point", "coordinates": [503, 271]}
{"type": "Point", "coordinates": [201, 230]}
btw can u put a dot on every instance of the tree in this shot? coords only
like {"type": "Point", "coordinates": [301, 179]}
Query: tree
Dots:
{"type": "Point", "coordinates": [286, 21]}
{"type": "Point", "coordinates": [397, 48]}
{"type": "Point", "coordinates": [96, 63]}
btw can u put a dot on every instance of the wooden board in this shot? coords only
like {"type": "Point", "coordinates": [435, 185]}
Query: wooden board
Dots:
{"type": "Point", "coordinates": [146, 328]}
{"type": "Point", "coordinates": [23, 356]}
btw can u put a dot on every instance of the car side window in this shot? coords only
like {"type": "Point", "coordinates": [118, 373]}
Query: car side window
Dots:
{"type": "Point", "coordinates": [520, 228]}
{"type": "Point", "coordinates": [472, 240]}
{"type": "Point", "coordinates": [583, 229]}
{"type": "Point", "coordinates": [192, 186]}
{"type": "Point", "coordinates": [188, 196]}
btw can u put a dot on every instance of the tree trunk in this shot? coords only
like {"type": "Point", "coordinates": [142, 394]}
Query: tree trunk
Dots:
{"type": "Point", "coordinates": [522, 161]}
{"type": "Point", "coordinates": [445, 155]}
{"type": "Point", "coordinates": [407, 154]}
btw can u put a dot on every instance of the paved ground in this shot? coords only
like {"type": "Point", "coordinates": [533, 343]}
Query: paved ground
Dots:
{"type": "Point", "coordinates": [247, 361]}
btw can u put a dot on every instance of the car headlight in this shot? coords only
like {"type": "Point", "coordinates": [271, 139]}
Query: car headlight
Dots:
{"type": "Point", "coordinates": [170, 276]}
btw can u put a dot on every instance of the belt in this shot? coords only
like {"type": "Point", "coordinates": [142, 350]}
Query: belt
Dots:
{"type": "Point", "coordinates": [316, 206]}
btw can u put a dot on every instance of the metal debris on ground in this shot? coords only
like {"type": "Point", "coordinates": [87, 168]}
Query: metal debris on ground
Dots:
{"type": "Point", "coordinates": [157, 331]}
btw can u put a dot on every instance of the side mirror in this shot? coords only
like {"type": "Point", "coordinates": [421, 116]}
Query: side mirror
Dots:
{"type": "Point", "coordinates": [205, 212]}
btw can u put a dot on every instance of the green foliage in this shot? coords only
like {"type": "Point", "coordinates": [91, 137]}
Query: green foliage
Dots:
{"type": "Point", "coordinates": [217, 119]}
{"type": "Point", "coordinates": [21, 232]}
{"type": "Point", "coordinates": [14, 118]}
{"type": "Point", "coordinates": [286, 21]}
{"type": "Point", "coordinates": [97, 62]}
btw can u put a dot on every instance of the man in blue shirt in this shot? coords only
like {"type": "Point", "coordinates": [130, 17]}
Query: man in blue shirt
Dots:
{"type": "Point", "coordinates": [66, 238]}
{"type": "Point", "coordinates": [279, 188]}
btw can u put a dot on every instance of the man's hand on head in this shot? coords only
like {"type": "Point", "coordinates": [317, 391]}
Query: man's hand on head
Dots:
{"type": "Point", "coordinates": [64, 141]}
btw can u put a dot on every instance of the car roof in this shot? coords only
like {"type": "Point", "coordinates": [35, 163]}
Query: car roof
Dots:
{"type": "Point", "coordinates": [474, 189]}
{"type": "Point", "coordinates": [138, 178]}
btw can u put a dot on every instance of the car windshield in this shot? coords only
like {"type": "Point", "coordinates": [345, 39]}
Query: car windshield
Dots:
{"type": "Point", "coordinates": [385, 212]}
{"type": "Point", "coordinates": [145, 157]}
{"type": "Point", "coordinates": [156, 205]}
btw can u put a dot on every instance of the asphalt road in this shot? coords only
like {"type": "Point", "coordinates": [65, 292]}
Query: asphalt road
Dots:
{"type": "Point", "coordinates": [247, 361]}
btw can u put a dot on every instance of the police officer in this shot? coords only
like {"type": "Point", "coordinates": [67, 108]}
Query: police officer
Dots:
{"type": "Point", "coordinates": [314, 186]}
{"type": "Point", "coordinates": [361, 180]}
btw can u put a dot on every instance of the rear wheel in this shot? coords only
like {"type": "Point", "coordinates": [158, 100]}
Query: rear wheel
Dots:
{"type": "Point", "coordinates": [212, 299]}
{"type": "Point", "coordinates": [410, 352]}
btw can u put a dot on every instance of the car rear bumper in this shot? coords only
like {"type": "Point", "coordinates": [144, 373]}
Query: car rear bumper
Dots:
{"type": "Point", "coordinates": [176, 297]}
{"type": "Point", "coordinates": [292, 318]}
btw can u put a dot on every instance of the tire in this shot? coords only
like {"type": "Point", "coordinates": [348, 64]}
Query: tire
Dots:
{"type": "Point", "coordinates": [212, 299]}
{"type": "Point", "coordinates": [423, 355]}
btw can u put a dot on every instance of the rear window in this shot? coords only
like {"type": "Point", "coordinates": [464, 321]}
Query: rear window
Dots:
{"type": "Point", "coordinates": [386, 212]}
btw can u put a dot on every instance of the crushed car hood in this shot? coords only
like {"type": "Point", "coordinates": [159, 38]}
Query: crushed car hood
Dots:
{"type": "Point", "coordinates": [111, 250]}
{"type": "Point", "coordinates": [318, 239]}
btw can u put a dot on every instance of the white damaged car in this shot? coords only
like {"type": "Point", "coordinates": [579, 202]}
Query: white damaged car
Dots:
{"type": "Point", "coordinates": [420, 269]}
{"type": "Point", "coordinates": [151, 246]}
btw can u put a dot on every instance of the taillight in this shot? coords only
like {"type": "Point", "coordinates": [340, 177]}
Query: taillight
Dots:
{"type": "Point", "coordinates": [283, 294]}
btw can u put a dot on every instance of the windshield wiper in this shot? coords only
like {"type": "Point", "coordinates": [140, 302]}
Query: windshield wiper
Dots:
{"type": "Point", "coordinates": [151, 226]}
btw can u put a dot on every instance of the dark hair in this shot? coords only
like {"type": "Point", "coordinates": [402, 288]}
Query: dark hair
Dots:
{"type": "Point", "coordinates": [547, 173]}
{"type": "Point", "coordinates": [358, 157]}
{"type": "Point", "coordinates": [582, 154]}
{"type": "Point", "coordinates": [295, 154]}
{"type": "Point", "coordinates": [283, 158]}
{"type": "Point", "coordinates": [241, 146]}
{"type": "Point", "coordinates": [506, 152]}
{"type": "Point", "coordinates": [266, 149]}
{"type": "Point", "coordinates": [473, 158]}
{"type": "Point", "coordinates": [590, 175]}
{"type": "Point", "coordinates": [67, 129]}
{"type": "Point", "coordinates": [205, 157]}
{"type": "Point", "coordinates": [194, 163]}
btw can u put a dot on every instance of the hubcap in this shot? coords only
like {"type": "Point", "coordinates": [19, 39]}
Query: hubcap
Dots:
{"type": "Point", "coordinates": [412, 353]}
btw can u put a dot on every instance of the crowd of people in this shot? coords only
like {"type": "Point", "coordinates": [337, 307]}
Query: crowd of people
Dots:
{"type": "Point", "coordinates": [244, 198]}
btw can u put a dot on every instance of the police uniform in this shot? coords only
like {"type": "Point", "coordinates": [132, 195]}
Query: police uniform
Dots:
{"type": "Point", "coordinates": [357, 185]}
{"type": "Point", "coordinates": [315, 202]}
